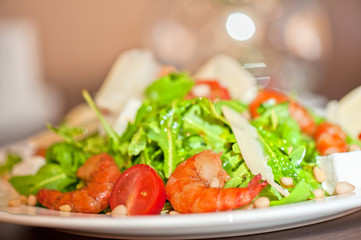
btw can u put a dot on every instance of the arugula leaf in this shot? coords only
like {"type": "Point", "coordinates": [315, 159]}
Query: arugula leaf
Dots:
{"type": "Point", "coordinates": [107, 127]}
{"type": "Point", "coordinates": [67, 156]}
{"type": "Point", "coordinates": [171, 87]}
{"type": "Point", "coordinates": [351, 141]}
{"type": "Point", "coordinates": [51, 176]}
{"type": "Point", "coordinates": [115, 145]}
{"type": "Point", "coordinates": [165, 132]}
{"type": "Point", "coordinates": [169, 129]}
{"type": "Point", "coordinates": [298, 155]}
{"type": "Point", "coordinates": [68, 133]}
{"type": "Point", "coordinates": [138, 143]}
{"type": "Point", "coordinates": [300, 193]}
{"type": "Point", "coordinates": [198, 122]}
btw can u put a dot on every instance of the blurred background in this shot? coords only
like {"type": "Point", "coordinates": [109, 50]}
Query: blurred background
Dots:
{"type": "Point", "coordinates": [50, 50]}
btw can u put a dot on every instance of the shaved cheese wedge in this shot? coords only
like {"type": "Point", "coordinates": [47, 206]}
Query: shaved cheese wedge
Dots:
{"type": "Point", "coordinates": [240, 83]}
{"type": "Point", "coordinates": [347, 112]}
{"type": "Point", "coordinates": [251, 149]}
{"type": "Point", "coordinates": [28, 166]}
{"type": "Point", "coordinates": [127, 115]}
{"type": "Point", "coordinates": [341, 167]}
{"type": "Point", "coordinates": [130, 74]}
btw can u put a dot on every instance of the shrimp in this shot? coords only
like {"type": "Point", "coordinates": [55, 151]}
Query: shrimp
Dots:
{"type": "Point", "coordinates": [297, 111]}
{"type": "Point", "coordinates": [196, 186]}
{"type": "Point", "coordinates": [330, 139]}
{"type": "Point", "coordinates": [100, 173]}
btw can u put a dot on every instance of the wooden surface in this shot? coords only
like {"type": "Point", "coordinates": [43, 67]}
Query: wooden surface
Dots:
{"type": "Point", "coordinates": [348, 227]}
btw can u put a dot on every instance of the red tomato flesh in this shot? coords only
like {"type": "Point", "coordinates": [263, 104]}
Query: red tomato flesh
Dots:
{"type": "Point", "coordinates": [265, 95]}
{"type": "Point", "coordinates": [217, 91]}
{"type": "Point", "coordinates": [140, 189]}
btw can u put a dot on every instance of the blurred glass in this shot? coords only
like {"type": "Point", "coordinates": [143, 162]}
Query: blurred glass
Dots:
{"type": "Point", "coordinates": [26, 102]}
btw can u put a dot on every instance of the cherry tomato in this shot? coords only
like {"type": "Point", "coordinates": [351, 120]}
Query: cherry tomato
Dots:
{"type": "Point", "coordinates": [330, 139]}
{"type": "Point", "coordinates": [359, 136]}
{"type": "Point", "coordinates": [297, 111]}
{"type": "Point", "coordinates": [140, 189]}
{"type": "Point", "coordinates": [263, 96]}
{"type": "Point", "coordinates": [216, 90]}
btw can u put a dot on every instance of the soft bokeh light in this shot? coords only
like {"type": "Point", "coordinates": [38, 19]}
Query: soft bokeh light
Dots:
{"type": "Point", "coordinates": [240, 26]}
{"type": "Point", "coordinates": [174, 42]}
{"type": "Point", "coordinates": [302, 38]}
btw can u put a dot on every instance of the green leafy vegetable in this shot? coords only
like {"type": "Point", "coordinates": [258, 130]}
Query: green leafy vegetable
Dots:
{"type": "Point", "coordinates": [290, 153]}
{"type": "Point", "coordinates": [51, 176]}
{"type": "Point", "coordinates": [62, 161]}
{"type": "Point", "coordinates": [300, 193]}
{"type": "Point", "coordinates": [169, 88]}
{"type": "Point", "coordinates": [67, 156]}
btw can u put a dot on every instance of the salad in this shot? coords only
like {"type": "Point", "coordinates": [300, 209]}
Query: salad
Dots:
{"type": "Point", "coordinates": [191, 145]}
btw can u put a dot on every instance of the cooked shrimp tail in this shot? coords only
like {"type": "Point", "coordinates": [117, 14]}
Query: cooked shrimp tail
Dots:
{"type": "Point", "coordinates": [99, 173]}
{"type": "Point", "coordinates": [196, 186]}
{"type": "Point", "coordinates": [255, 186]}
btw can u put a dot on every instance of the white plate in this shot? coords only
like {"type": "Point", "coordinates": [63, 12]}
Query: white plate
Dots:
{"type": "Point", "coordinates": [222, 224]}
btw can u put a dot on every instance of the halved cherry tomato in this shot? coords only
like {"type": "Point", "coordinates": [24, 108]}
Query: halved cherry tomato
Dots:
{"type": "Point", "coordinates": [216, 90]}
{"type": "Point", "coordinates": [263, 96]}
{"type": "Point", "coordinates": [140, 189]}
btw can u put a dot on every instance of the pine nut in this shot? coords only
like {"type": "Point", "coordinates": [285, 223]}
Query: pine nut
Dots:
{"type": "Point", "coordinates": [174, 213]}
{"type": "Point", "coordinates": [119, 211]}
{"type": "Point", "coordinates": [23, 199]}
{"type": "Point", "coordinates": [344, 187]}
{"type": "Point", "coordinates": [31, 200]}
{"type": "Point", "coordinates": [319, 193]}
{"type": "Point", "coordinates": [65, 208]}
{"type": "Point", "coordinates": [14, 203]}
{"type": "Point", "coordinates": [261, 202]}
{"type": "Point", "coordinates": [319, 174]}
{"type": "Point", "coordinates": [287, 182]}
{"type": "Point", "coordinates": [353, 147]}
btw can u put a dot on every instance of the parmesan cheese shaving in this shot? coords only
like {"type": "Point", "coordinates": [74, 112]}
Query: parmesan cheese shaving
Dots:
{"type": "Point", "coordinates": [240, 83]}
{"type": "Point", "coordinates": [251, 149]}
{"type": "Point", "coordinates": [347, 112]}
{"type": "Point", "coordinates": [132, 71]}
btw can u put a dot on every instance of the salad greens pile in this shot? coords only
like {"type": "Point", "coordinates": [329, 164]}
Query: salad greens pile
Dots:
{"type": "Point", "coordinates": [168, 129]}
